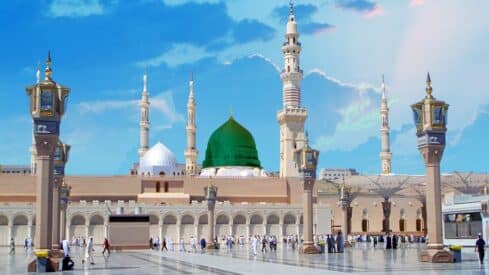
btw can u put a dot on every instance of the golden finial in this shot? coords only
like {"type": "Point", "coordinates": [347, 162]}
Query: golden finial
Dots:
{"type": "Point", "coordinates": [48, 71]}
{"type": "Point", "coordinates": [429, 90]}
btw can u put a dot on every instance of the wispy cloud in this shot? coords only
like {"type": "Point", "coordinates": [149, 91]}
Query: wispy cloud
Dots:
{"type": "Point", "coordinates": [367, 8]}
{"type": "Point", "coordinates": [415, 3]}
{"type": "Point", "coordinates": [266, 59]}
{"type": "Point", "coordinates": [75, 8]}
{"type": "Point", "coordinates": [178, 54]}
{"type": "Point", "coordinates": [361, 87]}
{"type": "Point", "coordinates": [162, 103]}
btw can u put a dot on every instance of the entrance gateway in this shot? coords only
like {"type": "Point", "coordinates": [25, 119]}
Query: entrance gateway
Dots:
{"type": "Point", "coordinates": [128, 231]}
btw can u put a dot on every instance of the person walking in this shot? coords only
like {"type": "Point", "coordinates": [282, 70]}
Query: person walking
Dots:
{"type": "Point", "coordinates": [12, 247]}
{"type": "Point", "coordinates": [66, 248]}
{"type": "Point", "coordinates": [202, 244]}
{"type": "Point", "coordinates": [254, 244]}
{"type": "Point", "coordinates": [480, 247]}
{"type": "Point", "coordinates": [340, 245]}
{"type": "Point", "coordinates": [151, 243]}
{"type": "Point", "coordinates": [106, 247]}
{"type": "Point", "coordinates": [163, 246]}
{"type": "Point", "coordinates": [182, 246]}
{"type": "Point", "coordinates": [89, 252]}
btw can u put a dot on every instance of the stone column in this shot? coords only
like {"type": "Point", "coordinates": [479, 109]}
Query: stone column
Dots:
{"type": "Point", "coordinates": [29, 229]}
{"type": "Point", "coordinates": [247, 231]}
{"type": "Point", "coordinates": [211, 221]}
{"type": "Point", "coordinates": [44, 192]}
{"type": "Point", "coordinates": [87, 230]}
{"type": "Point", "coordinates": [62, 224]}
{"type": "Point", "coordinates": [196, 230]}
{"type": "Point", "coordinates": [264, 227]}
{"type": "Point", "coordinates": [281, 233]}
{"type": "Point", "coordinates": [56, 214]}
{"type": "Point", "coordinates": [434, 252]}
{"type": "Point", "coordinates": [68, 229]}
{"type": "Point", "coordinates": [10, 232]}
{"type": "Point", "coordinates": [231, 228]}
{"type": "Point", "coordinates": [160, 230]}
{"type": "Point", "coordinates": [179, 232]}
{"type": "Point", "coordinates": [106, 230]}
{"type": "Point", "coordinates": [308, 244]}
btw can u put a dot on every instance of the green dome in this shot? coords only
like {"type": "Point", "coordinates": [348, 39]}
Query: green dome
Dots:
{"type": "Point", "coordinates": [231, 145]}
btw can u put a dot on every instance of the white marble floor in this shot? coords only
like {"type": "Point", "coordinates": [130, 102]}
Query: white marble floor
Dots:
{"type": "Point", "coordinates": [239, 260]}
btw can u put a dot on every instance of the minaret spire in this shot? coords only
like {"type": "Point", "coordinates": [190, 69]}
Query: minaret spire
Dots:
{"type": "Point", "coordinates": [48, 72]}
{"type": "Point", "coordinates": [191, 151]}
{"type": "Point", "coordinates": [292, 117]}
{"type": "Point", "coordinates": [429, 89]}
{"type": "Point", "coordinates": [385, 153]}
{"type": "Point", "coordinates": [144, 118]}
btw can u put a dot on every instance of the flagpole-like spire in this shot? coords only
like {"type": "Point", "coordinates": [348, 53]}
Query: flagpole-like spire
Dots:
{"type": "Point", "coordinates": [48, 72]}
{"type": "Point", "coordinates": [383, 88]}
{"type": "Point", "coordinates": [429, 89]}
{"type": "Point", "coordinates": [145, 80]}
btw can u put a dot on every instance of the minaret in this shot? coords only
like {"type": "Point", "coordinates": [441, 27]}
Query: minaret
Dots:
{"type": "Point", "coordinates": [385, 153]}
{"type": "Point", "coordinates": [144, 121]}
{"type": "Point", "coordinates": [33, 149]}
{"type": "Point", "coordinates": [293, 116]}
{"type": "Point", "coordinates": [191, 151]}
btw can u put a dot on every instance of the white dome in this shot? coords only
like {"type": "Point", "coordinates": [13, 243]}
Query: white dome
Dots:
{"type": "Point", "coordinates": [158, 159]}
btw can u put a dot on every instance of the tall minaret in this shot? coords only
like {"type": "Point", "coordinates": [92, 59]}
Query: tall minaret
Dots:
{"type": "Point", "coordinates": [191, 151]}
{"type": "Point", "coordinates": [385, 153]}
{"type": "Point", "coordinates": [293, 116]}
{"type": "Point", "coordinates": [144, 121]}
{"type": "Point", "coordinates": [33, 149]}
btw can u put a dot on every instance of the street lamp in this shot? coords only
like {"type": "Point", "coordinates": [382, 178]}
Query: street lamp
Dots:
{"type": "Point", "coordinates": [307, 160]}
{"type": "Point", "coordinates": [345, 200]}
{"type": "Point", "coordinates": [210, 192]}
{"type": "Point", "coordinates": [47, 106]}
{"type": "Point", "coordinates": [430, 119]}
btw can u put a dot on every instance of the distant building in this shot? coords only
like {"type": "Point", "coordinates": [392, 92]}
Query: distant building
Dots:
{"type": "Point", "coordinates": [15, 169]}
{"type": "Point", "coordinates": [336, 173]}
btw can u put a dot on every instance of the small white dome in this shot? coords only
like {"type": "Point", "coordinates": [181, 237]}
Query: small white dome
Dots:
{"type": "Point", "coordinates": [158, 159]}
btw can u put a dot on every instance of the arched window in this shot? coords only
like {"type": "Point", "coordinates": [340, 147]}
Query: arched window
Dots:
{"type": "Point", "coordinates": [158, 187]}
{"type": "Point", "coordinates": [166, 187]}
{"type": "Point", "coordinates": [288, 68]}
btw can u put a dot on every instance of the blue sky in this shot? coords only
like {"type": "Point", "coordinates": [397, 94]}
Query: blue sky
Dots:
{"type": "Point", "coordinates": [100, 49]}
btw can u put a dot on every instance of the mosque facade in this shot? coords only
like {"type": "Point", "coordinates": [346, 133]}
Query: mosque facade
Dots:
{"type": "Point", "coordinates": [250, 200]}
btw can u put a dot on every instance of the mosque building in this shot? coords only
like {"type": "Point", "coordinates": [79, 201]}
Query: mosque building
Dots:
{"type": "Point", "coordinates": [250, 200]}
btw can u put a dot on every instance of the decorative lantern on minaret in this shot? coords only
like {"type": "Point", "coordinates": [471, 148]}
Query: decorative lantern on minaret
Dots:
{"type": "Point", "coordinates": [430, 118]}
{"type": "Point", "coordinates": [47, 106]}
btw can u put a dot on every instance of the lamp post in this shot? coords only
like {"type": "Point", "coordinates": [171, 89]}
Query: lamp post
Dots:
{"type": "Point", "coordinates": [307, 159]}
{"type": "Point", "coordinates": [345, 200]}
{"type": "Point", "coordinates": [210, 196]}
{"type": "Point", "coordinates": [60, 158]}
{"type": "Point", "coordinates": [47, 106]}
{"type": "Point", "coordinates": [430, 118]}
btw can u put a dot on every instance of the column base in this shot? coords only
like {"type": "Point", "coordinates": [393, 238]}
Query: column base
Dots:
{"type": "Point", "coordinates": [52, 265]}
{"type": "Point", "coordinates": [309, 249]}
{"type": "Point", "coordinates": [436, 256]}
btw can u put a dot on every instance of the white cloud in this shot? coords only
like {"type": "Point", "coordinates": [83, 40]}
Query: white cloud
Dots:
{"type": "Point", "coordinates": [359, 121]}
{"type": "Point", "coordinates": [270, 61]}
{"type": "Point", "coordinates": [414, 3]}
{"type": "Point", "coordinates": [179, 54]}
{"type": "Point", "coordinates": [182, 2]}
{"type": "Point", "coordinates": [361, 87]}
{"type": "Point", "coordinates": [161, 103]}
{"type": "Point", "coordinates": [75, 8]}
{"type": "Point", "coordinates": [405, 143]}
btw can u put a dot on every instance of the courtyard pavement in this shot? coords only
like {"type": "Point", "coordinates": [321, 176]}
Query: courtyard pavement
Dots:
{"type": "Point", "coordinates": [360, 259]}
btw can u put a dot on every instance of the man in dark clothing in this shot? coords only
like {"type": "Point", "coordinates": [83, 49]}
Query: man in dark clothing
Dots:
{"type": "Point", "coordinates": [150, 243]}
{"type": "Point", "coordinates": [163, 247]}
{"type": "Point", "coordinates": [394, 242]}
{"type": "Point", "coordinates": [202, 244]}
{"type": "Point", "coordinates": [388, 242]}
{"type": "Point", "coordinates": [330, 243]}
{"type": "Point", "coordinates": [480, 246]}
